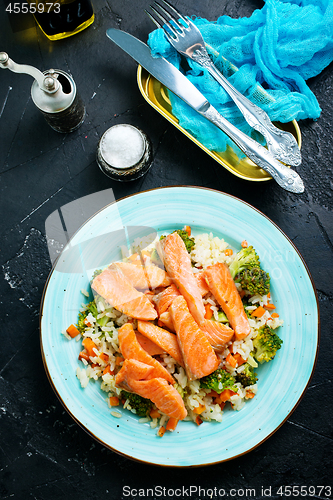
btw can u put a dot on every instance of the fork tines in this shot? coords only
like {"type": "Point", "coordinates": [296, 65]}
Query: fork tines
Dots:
{"type": "Point", "coordinates": [166, 21]}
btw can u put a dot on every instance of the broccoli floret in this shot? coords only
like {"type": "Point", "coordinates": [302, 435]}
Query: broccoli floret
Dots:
{"type": "Point", "coordinates": [189, 242]}
{"type": "Point", "coordinates": [221, 317]}
{"type": "Point", "coordinates": [255, 280]}
{"type": "Point", "coordinates": [246, 258]}
{"type": "Point", "coordinates": [96, 273]}
{"type": "Point", "coordinates": [247, 376]}
{"type": "Point", "coordinates": [141, 405]}
{"type": "Point", "coordinates": [91, 308]}
{"type": "Point", "coordinates": [218, 381]}
{"type": "Point", "coordinates": [266, 344]}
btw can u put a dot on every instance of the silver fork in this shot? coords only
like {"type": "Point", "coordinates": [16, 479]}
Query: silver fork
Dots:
{"type": "Point", "coordinates": [186, 38]}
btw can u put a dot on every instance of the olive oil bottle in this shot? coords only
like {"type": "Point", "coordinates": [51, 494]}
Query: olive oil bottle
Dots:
{"type": "Point", "coordinates": [63, 18]}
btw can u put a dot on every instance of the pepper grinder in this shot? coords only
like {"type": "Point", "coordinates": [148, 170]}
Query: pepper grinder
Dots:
{"type": "Point", "coordinates": [54, 93]}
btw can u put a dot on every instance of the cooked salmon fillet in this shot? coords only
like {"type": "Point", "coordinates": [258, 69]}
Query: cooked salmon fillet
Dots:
{"type": "Point", "coordinates": [223, 288]}
{"type": "Point", "coordinates": [217, 333]}
{"type": "Point", "coordinates": [144, 277]}
{"type": "Point", "coordinates": [164, 299]}
{"type": "Point", "coordinates": [148, 345]}
{"type": "Point", "coordinates": [178, 265]}
{"type": "Point", "coordinates": [199, 356]}
{"type": "Point", "coordinates": [131, 349]}
{"type": "Point", "coordinates": [132, 369]}
{"type": "Point", "coordinates": [137, 377]}
{"type": "Point", "coordinates": [166, 319]}
{"type": "Point", "coordinates": [201, 282]}
{"type": "Point", "coordinates": [118, 291]}
{"type": "Point", "coordinates": [164, 339]}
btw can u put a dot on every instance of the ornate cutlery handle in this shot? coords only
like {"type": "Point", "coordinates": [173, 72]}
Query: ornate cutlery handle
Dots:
{"type": "Point", "coordinates": [281, 144]}
{"type": "Point", "coordinates": [287, 178]}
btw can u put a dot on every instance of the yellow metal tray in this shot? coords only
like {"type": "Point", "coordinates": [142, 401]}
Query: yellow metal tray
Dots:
{"type": "Point", "coordinates": [157, 96]}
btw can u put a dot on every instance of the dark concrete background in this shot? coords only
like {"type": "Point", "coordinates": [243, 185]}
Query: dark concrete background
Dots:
{"type": "Point", "coordinates": [44, 454]}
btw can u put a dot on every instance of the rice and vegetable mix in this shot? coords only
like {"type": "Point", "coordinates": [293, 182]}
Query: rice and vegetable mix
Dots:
{"type": "Point", "coordinates": [232, 384]}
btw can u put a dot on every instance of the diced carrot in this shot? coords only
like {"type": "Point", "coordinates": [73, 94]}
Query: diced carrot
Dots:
{"type": "Point", "coordinates": [209, 312]}
{"type": "Point", "coordinates": [172, 424]}
{"type": "Point", "coordinates": [84, 355]}
{"type": "Point", "coordinates": [134, 256]}
{"type": "Point", "coordinates": [260, 311]}
{"type": "Point", "coordinates": [226, 394]}
{"type": "Point", "coordinates": [269, 306]}
{"type": "Point", "coordinates": [198, 420]}
{"type": "Point", "coordinates": [199, 409]}
{"type": "Point", "coordinates": [239, 359]}
{"type": "Point", "coordinates": [161, 431]}
{"type": "Point", "coordinates": [269, 295]}
{"type": "Point", "coordinates": [114, 401]}
{"type": "Point", "coordinates": [249, 395]}
{"type": "Point", "coordinates": [228, 252]}
{"type": "Point", "coordinates": [274, 315]}
{"type": "Point", "coordinates": [154, 413]}
{"type": "Point", "coordinates": [89, 346]}
{"type": "Point", "coordinates": [213, 394]}
{"type": "Point", "coordinates": [72, 331]}
{"type": "Point", "coordinates": [188, 230]}
{"type": "Point", "coordinates": [218, 400]}
{"type": "Point", "coordinates": [119, 359]}
{"type": "Point", "coordinates": [107, 369]}
{"type": "Point", "coordinates": [241, 293]}
{"type": "Point", "coordinates": [231, 360]}
{"type": "Point", "coordinates": [244, 243]}
{"type": "Point", "coordinates": [104, 357]}
{"type": "Point", "coordinates": [221, 405]}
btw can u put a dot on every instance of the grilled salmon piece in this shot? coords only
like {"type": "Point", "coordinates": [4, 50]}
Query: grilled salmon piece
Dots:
{"type": "Point", "coordinates": [201, 282]}
{"type": "Point", "coordinates": [131, 349]}
{"type": "Point", "coordinates": [217, 333]}
{"type": "Point", "coordinates": [164, 299]}
{"type": "Point", "coordinates": [166, 319]}
{"type": "Point", "coordinates": [148, 345]}
{"type": "Point", "coordinates": [118, 291]}
{"type": "Point", "coordinates": [164, 339]}
{"type": "Point", "coordinates": [136, 377]}
{"type": "Point", "coordinates": [178, 265]}
{"type": "Point", "coordinates": [199, 356]}
{"type": "Point", "coordinates": [223, 288]}
{"type": "Point", "coordinates": [132, 370]}
{"type": "Point", "coordinates": [144, 277]}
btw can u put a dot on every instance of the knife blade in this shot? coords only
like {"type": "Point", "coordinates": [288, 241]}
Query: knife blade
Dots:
{"type": "Point", "coordinates": [175, 81]}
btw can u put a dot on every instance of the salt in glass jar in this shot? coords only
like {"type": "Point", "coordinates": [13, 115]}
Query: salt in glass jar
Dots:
{"type": "Point", "coordinates": [124, 153]}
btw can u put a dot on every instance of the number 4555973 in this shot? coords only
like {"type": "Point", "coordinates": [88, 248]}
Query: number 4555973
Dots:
{"type": "Point", "coordinates": [32, 8]}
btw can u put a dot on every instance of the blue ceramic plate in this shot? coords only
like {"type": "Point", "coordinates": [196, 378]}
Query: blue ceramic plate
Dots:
{"type": "Point", "coordinates": [282, 382]}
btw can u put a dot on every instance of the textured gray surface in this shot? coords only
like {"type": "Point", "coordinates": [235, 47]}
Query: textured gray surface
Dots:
{"type": "Point", "coordinates": [44, 454]}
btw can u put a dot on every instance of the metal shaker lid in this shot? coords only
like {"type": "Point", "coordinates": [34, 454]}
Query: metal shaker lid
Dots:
{"type": "Point", "coordinates": [52, 91]}
{"type": "Point", "coordinates": [57, 93]}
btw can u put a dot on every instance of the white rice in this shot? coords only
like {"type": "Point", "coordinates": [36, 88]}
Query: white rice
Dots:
{"type": "Point", "coordinates": [209, 250]}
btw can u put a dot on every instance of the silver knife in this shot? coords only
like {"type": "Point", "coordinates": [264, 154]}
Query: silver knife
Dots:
{"type": "Point", "coordinates": [175, 81]}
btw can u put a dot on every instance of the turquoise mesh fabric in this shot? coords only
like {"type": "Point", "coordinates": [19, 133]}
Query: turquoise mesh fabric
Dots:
{"type": "Point", "coordinates": [268, 57]}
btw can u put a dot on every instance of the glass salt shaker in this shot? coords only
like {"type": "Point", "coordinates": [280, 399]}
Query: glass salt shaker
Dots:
{"type": "Point", "coordinates": [124, 153]}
